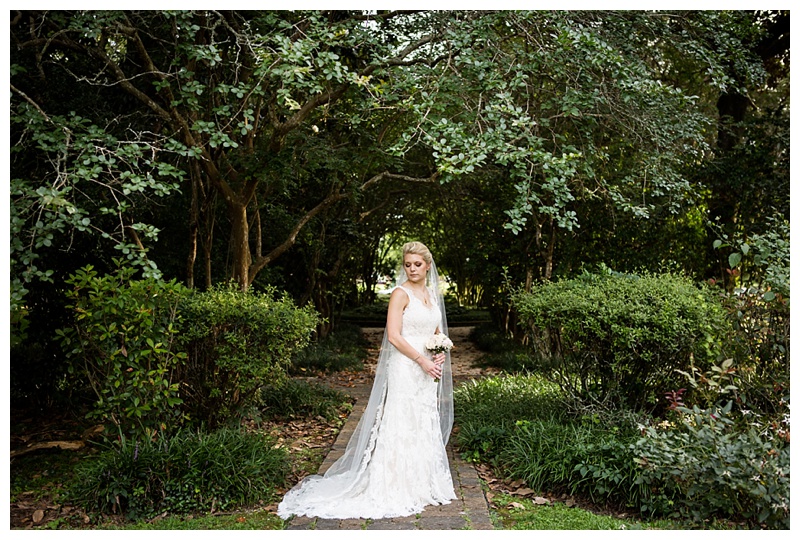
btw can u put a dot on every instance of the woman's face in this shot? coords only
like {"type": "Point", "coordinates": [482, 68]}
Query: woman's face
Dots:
{"type": "Point", "coordinates": [416, 268]}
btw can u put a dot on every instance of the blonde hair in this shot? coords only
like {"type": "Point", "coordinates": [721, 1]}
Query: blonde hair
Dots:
{"type": "Point", "coordinates": [417, 248]}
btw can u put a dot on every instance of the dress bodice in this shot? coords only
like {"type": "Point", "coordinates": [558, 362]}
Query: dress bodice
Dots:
{"type": "Point", "coordinates": [420, 321]}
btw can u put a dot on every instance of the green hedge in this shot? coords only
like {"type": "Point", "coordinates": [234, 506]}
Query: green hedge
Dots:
{"type": "Point", "coordinates": [619, 338]}
{"type": "Point", "coordinates": [159, 356]}
{"type": "Point", "coordinates": [236, 343]}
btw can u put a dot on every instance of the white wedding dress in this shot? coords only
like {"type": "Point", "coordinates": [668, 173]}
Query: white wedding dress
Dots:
{"type": "Point", "coordinates": [404, 466]}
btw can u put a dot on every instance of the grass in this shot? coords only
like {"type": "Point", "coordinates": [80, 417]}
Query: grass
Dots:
{"type": "Point", "coordinates": [517, 513]}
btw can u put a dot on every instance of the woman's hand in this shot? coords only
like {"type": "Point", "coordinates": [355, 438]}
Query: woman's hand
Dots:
{"type": "Point", "coordinates": [439, 358]}
{"type": "Point", "coordinates": [430, 367]}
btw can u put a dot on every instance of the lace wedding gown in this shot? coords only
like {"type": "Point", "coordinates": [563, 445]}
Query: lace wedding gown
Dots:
{"type": "Point", "coordinates": [404, 466]}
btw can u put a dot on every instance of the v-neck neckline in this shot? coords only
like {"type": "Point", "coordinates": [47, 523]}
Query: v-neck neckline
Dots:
{"type": "Point", "coordinates": [427, 306]}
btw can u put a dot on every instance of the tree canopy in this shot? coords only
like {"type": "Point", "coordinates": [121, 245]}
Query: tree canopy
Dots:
{"type": "Point", "coordinates": [274, 147]}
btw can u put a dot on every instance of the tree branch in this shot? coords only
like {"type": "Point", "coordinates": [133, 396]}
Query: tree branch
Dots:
{"type": "Point", "coordinates": [386, 174]}
{"type": "Point", "coordinates": [261, 262]}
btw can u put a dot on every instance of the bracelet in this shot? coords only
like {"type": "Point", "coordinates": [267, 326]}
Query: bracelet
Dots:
{"type": "Point", "coordinates": [418, 357]}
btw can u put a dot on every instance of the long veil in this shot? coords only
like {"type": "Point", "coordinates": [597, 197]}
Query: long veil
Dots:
{"type": "Point", "coordinates": [356, 457]}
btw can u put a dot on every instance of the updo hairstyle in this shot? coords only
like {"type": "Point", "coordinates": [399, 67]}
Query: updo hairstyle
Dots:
{"type": "Point", "coordinates": [417, 248]}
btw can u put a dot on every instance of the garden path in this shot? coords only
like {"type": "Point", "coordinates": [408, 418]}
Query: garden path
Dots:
{"type": "Point", "coordinates": [469, 511]}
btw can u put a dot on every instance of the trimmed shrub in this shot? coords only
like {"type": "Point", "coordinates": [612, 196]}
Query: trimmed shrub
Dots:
{"type": "Point", "coordinates": [124, 341]}
{"type": "Point", "coordinates": [186, 472]}
{"type": "Point", "coordinates": [617, 338]}
{"type": "Point", "coordinates": [236, 343]}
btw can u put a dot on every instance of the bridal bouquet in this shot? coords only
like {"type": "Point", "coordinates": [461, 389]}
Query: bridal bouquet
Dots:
{"type": "Point", "coordinates": [438, 343]}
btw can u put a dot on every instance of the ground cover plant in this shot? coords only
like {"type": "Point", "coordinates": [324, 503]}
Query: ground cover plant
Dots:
{"type": "Point", "coordinates": [192, 480]}
{"type": "Point", "coordinates": [519, 424]}
{"type": "Point", "coordinates": [190, 471]}
{"type": "Point", "coordinates": [299, 398]}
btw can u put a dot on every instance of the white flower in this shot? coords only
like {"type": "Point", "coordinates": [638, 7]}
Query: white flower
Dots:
{"type": "Point", "coordinates": [438, 343]}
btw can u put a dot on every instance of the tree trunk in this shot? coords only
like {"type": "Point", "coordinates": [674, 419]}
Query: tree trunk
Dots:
{"type": "Point", "coordinates": [191, 256]}
{"type": "Point", "coordinates": [240, 246]}
{"type": "Point", "coordinates": [208, 240]}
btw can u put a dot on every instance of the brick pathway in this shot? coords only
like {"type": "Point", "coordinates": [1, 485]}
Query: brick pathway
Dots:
{"type": "Point", "coordinates": [469, 511]}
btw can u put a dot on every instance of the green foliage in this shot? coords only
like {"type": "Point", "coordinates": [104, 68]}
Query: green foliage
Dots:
{"type": "Point", "coordinates": [620, 338]}
{"type": "Point", "coordinates": [705, 467]}
{"type": "Point", "coordinates": [91, 174]}
{"type": "Point", "coordinates": [488, 409]}
{"type": "Point", "coordinates": [760, 261]}
{"type": "Point", "coordinates": [124, 341]}
{"type": "Point", "coordinates": [501, 351]}
{"type": "Point", "coordinates": [519, 424]}
{"type": "Point", "coordinates": [186, 472]}
{"type": "Point", "coordinates": [343, 349]}
{"type": "Point", "coordinates": [293, 398]}
{"type": "Point", "coordinates": [580, 457]}
{"type": "Point", "coordinates": [236, 343]}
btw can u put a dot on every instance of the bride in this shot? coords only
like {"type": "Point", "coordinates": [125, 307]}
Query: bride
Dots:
{"type": "Point", "coordinates": [395, 463]}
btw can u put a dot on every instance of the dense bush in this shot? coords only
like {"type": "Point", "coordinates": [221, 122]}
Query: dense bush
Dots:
{"type": "Point", "coordinates": [187, 472]}
{"type": "Point", "coordinates": [292, 398]}
{"type": "Point", "coordinates": [236, 343]}
{"type": "Point", "coordinates": [706, 467]}
{"type": "Point", "coordinates": [158, 354]}
{"type": "Point", "coordinates": [760, 350]}
{"type": "Point", "coordinates": [619, 338]}
{"type": "Point", "coordinates": [124, 341]}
